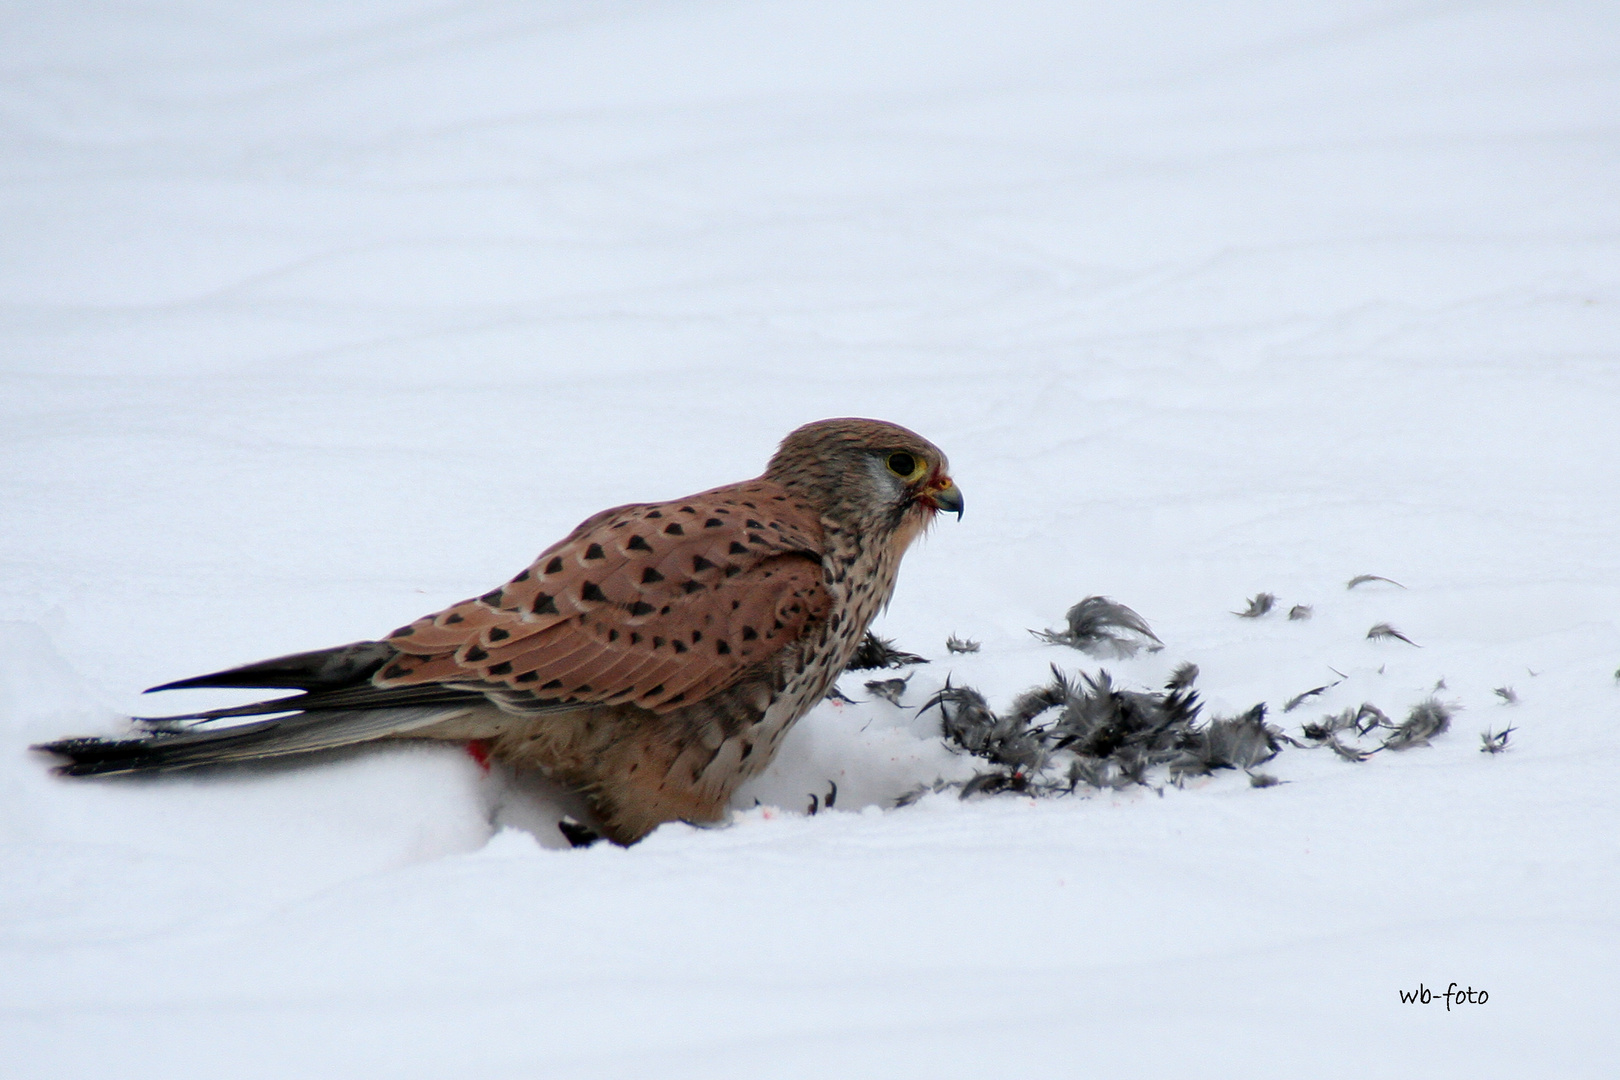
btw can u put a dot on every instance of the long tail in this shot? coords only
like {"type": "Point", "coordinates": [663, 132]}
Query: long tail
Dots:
{"type": "Point", "coordinates": [338, 706]}
{"type": "Point", "coordinates": [277, 737]}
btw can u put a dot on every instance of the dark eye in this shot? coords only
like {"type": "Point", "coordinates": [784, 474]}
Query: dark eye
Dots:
{"type": "Point", "coordinates": [902, 464]}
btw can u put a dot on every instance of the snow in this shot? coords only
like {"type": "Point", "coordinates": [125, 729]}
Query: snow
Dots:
{"type": "Point", "coordinates": [315, 318]}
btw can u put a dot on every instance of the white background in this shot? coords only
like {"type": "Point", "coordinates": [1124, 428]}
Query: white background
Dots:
{"type": "Point", "coordinates": [315, 318]}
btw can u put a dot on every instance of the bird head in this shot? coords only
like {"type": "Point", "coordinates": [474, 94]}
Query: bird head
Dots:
{"type": "Point", "coordinates": [869, 475]}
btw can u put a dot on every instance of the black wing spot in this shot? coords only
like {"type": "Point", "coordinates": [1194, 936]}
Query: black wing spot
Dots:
{"type": "Point", "coordinates": [697, 636]}
{"type": "Point", "coordinates": [636, 543]}
{"type": "Point", "coordinates": [613, 635]}
{"type": "Point", "coordinates": [713, 523]}
{"type": "Point", "coordinates": [659, 689]}
{"type": "Point", "coordinates": [678, 697]}
{"type": "Point", "coordinates": [658, 642]}
{"type": "Point", "coordinates": [688, 510]}
{"type": "Point", "coordinates": [641, 607]}
{"type": "Point", "coordinates": [722, 648]}
{"type": "Point", "coordinates": [502, 668]}
{"type": "Point", "coordinates": [732, 571]}
{"type": "Point", "coordinates": [674, 529]}
{"type": "Point", "coordinates": [738, 549]}
{"type": "Point", "coordinates": [544, 604]}
{"type": "Point", "coordinates": [592, 592]}
{"type": "Point", "coordinates": [755, 538]}
{"type": "Point", "coordinates": [476, 654]}
{"type": "Point", "coordinates": [394, 671]}
{"type": "Point", "coordinates": [752, 524]}
{"type": "Point", "coordinates": [527, 676]}
{"type": "Point", "coordinates": [655, 513]}
{"type": "Point", "coordinates": [749, 633]}
{"type": "Point", "coordinates": [404, 631]}
{"type": "Point", "coordinates": [453, 618]}
{"type": "Point", "coordinates": [497, 634]}
{"type": "Point", "coordinates": [523, 575]}
{"type": "Point", "coordinates": [679, 646]}
{"type": "Point", "coordinates": [552, 685]}
{"type": "Point", "coordinates": [635, 638]}
{"type": "Point", "coordinates": [700, 564]}
{"type": "Point", "coordinates": [650, 576]}
{"type": "Point", "coordinates": [555, 565]}
{"type": "Point", "coordinates": [595, 552]}
{"type": "Point", "coordinates": [492, 598]}
{"type": "Point", "coordinates": [694, 586]}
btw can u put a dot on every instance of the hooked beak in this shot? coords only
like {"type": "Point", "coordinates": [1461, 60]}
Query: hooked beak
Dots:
{"type": "Point", "coordinates": [943, 494]}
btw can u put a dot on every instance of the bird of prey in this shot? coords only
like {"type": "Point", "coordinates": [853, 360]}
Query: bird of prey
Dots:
{"type": "Point", "coordinates": [652, 660]}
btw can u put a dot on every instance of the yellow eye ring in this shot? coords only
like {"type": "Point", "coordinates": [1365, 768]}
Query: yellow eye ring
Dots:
{"type": "Point", "coordinates": [906, 466]}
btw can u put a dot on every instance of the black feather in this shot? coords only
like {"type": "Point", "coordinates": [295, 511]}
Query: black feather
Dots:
{"type": "Point", "coordinates": [324, 669]}
{"type": "Point", "coordinates": [878, 652]}
{"type": "Point", "coordinates": [1103, 628]}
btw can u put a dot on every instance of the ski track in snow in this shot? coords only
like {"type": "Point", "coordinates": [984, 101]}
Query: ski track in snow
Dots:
{"type": "Point", "coordinates": [313, 320]}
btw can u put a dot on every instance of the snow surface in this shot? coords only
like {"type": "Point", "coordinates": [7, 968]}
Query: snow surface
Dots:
{"type": "Point", "coordinates": [318, 317]}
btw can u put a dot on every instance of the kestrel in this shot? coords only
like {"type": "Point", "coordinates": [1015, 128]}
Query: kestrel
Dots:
{"type": "Point", "coordinates": [652, 660]}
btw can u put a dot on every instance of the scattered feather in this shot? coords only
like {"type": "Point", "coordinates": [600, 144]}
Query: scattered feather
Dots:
{"type": "Point", "coordinates": [879, 652]}
{"type": "Point", "coordinates": [831, 796]}
{"type": "Point", "coordinates": [1426, 720]}
{"type": "Point", "coordinates": [1102, 628]}
{"type": "Point", "coordinates": [1495, 743]}
{"type": "Point", "coordinates": [1383, 631]}
{"type": "Point", "coordinates": [1300, 612]}
{"type": "Point", "coordinates": [1348, 753]}
{"type": "Point", "coordinates": [1241, 742]}
{"type": "Point", "coordinates": [960, 645]}
{"type": "Point", "coordinates": [967, 721]}
{"type": "Point", "coordinates": [1362, 579]}
{"type": "Point", "coordinates": [1259, 604]}
{"type": "Point", "coordinates": [890, 690]}
{"type": "Point", "coordinates": [994, 783]}
{"type": "Point", "coordinates": [1358, 722]}
{"type": "Point", "coordinates": [1370, 716]}
{"type": "Point", "coordinates": [920, 790]}
{"type": "Point", "coordinates": [835, 694]}
{"type": "Point", "coordinates": [1506, 694]}
{"type": "Point", "coordinates": [1439, 685]}
{"type": "Point", "coordinates": [1329, 726]}
{"type": "Point", "coordinates": [1295, 701]}
{"type": "Point", "coordinates": [1086, 731]}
